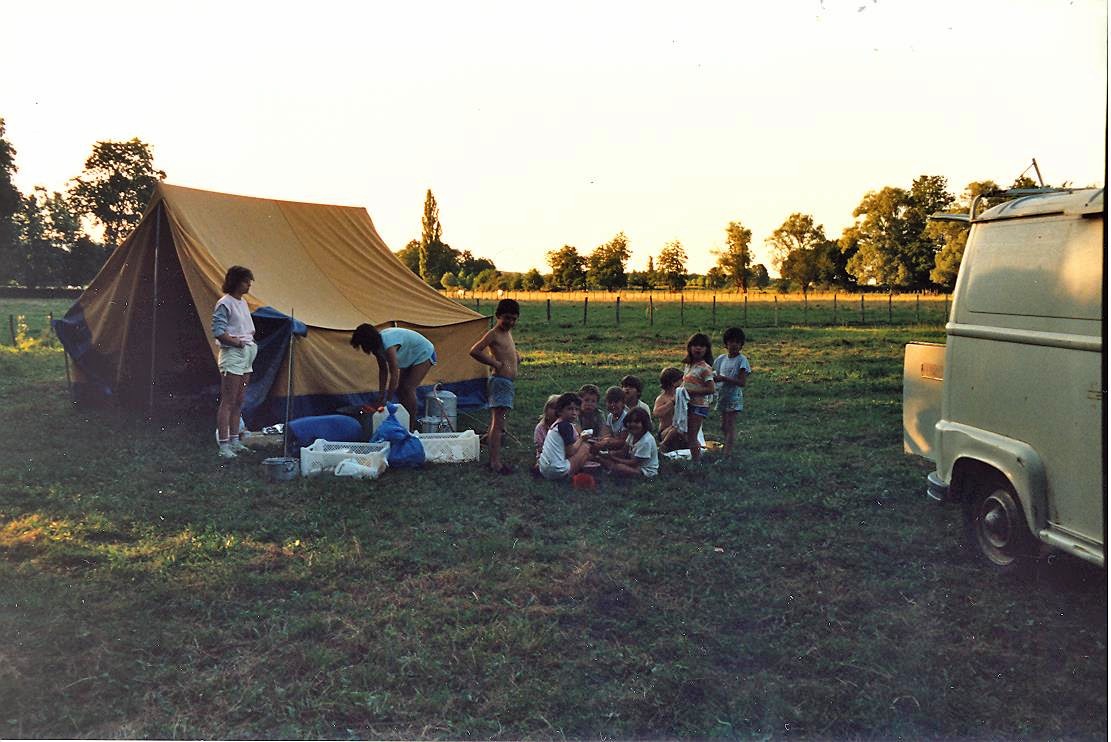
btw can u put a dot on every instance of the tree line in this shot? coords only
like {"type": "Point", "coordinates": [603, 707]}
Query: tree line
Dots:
{"type": "Point", "coordinates": [63, 238]}
{"type": "Point", "coordinates": [892, 245]}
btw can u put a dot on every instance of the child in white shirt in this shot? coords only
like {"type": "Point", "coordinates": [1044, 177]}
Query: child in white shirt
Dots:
{"type": "Point", "coordinates": [639, 455]}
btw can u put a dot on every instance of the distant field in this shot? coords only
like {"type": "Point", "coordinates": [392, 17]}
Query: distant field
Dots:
{"type": "Point", "coordinates": [805, 588]}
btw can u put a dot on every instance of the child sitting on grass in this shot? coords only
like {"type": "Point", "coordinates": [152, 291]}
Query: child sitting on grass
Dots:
{"type": "Point", "coordinates": [589, 416]}
{"type": "Point", "coordinates": [613, 430]}
{"type": "Point", "coordinates": [633, 387]}
{"type": "Point", "coordinates": [547, 419]}
{"type": "Point", "coordinates": [671, 438]}
{"type": "Point", "coordinates": [564, 451]}
{"type": "Point", "coordinates": [638, 456]}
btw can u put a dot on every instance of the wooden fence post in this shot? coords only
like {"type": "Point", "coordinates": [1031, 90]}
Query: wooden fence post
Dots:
{"type": "Point", "coordinates": [805, 309]}
{"type": "Point", "coordinates": [775, 303]}
{"type": "Point", "coordinates": [835, 308]}
{"type": "Point", "coordinates": [862, 309]}
{"type": "Point", "coordinates": [586, 300]}
{"type": "Point", "coordinates": [746, 309]}
{"type": "Point", "coordinates": [549, 310]}
{"type": "Point", "coordinates": [651, 311]}
{"type": "Point", "coordinates": [889, 318]}
{"type": "Point", "coordinates": [682, 301]}
{"type": "Point", "coordinates": [50, 324]}
{"type": "Point", "coordinates": [617, 310]}
{"type": "Point", "coordinates": [477, 302]}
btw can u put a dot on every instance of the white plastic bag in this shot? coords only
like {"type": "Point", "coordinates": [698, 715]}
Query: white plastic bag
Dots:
{"type": "Point", "coordinates": [352, 468]}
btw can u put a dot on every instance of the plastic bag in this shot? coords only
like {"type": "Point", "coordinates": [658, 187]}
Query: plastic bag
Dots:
{"type": "Point", "coordinates": [352, 468]}
{"type": "Point", "coordinates": [406, 449]}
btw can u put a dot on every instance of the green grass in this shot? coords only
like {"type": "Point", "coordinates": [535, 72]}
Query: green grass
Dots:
{"type": "Point", "coordinates": [804, 589]}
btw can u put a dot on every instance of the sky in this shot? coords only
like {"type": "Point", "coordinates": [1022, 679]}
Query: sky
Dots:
{"type": "Point", "coordinates": [538, 125]}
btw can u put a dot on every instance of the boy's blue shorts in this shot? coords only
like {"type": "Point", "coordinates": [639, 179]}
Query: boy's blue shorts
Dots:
{"type": "Point", "coordinates": [700, 410]}
{"type": "Point", "coordinates": [731, 399]}
{"type": "Point", "coordinates": [500, 393]}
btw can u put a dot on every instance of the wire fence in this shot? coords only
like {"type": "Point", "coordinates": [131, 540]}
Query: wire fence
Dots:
{"type": "Point", "coordinates": [719, 310]}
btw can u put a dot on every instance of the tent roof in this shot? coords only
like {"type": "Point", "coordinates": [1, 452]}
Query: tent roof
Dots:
{"type": "Point", "coordinates": [324, 264]}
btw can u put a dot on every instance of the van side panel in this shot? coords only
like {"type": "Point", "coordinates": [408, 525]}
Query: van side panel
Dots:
{"type": "Point", "coordinates": [1024, 356]}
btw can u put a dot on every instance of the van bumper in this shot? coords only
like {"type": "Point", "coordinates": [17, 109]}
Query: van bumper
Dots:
{"type": "Point", "coordinates": [936, 489]}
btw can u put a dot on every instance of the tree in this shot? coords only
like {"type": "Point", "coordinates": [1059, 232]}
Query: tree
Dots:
{"type": "Point", "coordinates": [892, 245]}
{"type": "Point", "coordinates": [606, 265]}
{"type": "Point", "coordinates": [487, 280]}
{"type": "Point", "coordinates": [672, 265]}
{"type": "Point", "coordinates": [735, 260]}
{"type": "Point", "coordinates": [449, 281]}
{"type": "Point", "coordinates": [431, 232]}
{"type": "Point", "coordinates": [760, 276]}
{"type": "Point", "coordinates": [439, 259]}
{"type": "Point", "coordinates": [55, 251]}
{"type": "Point", "coordinates": [114, 188]}
{"type": "Point", "coordinates": [801, 266]}
{"type": "Point", "coordinates": [952, 235]}
{"type": "Point", "coordinates": [10, 204]}
{"type": "Point", "coordinates": [532, 281]}
{"type": "Point", "coordinates": [798, 232]}
{"type": "Point", "coordinates": [716, 278]}
{"type": "Point", "coordinates": [468, 263]}
{"type": "Point", "coordinates": [568, 268]}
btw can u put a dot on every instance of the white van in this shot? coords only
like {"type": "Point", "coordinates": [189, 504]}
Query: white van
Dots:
{"type": "Point", "coordinates": [1012, 409]}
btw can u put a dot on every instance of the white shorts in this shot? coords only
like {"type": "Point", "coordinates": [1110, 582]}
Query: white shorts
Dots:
{"type": "Point", "coordinates": [553, 472]}
{"type": "Point", "coordinates": [237, 361]}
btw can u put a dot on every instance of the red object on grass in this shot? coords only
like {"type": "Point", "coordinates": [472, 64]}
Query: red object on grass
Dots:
{"type": "Point", "coordinates": [583, 482]}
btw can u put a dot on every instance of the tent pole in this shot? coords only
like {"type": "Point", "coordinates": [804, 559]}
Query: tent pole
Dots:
{"type": "Point", "coordinates": [154, 308]}
{"type": "Point", "coordinates": [288, 387]}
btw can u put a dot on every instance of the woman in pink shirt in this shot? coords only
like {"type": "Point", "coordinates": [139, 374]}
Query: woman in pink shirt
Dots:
{"type": "Point", "coordinates": [234, 330]}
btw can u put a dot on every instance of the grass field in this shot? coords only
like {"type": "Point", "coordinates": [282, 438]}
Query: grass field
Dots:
{"type": "Point", "coordinates": [806, 588]}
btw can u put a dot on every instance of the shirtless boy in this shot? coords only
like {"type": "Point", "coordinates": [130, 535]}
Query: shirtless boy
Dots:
{"type": "Point", "coordinates": [504, 359]}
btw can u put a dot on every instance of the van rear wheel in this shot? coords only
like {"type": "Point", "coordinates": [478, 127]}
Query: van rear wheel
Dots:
{"type": "Point", "coordinates": [997, 526]}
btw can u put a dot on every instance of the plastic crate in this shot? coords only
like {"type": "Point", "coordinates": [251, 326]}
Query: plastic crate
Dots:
{"type": "Point", "coordinates": [322, 456]}
{"type": "Point", "coordinates": [449, 448]}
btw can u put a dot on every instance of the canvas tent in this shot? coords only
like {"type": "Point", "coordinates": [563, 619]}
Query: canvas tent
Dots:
{"type": "Point", "coordinates": [140, 332]}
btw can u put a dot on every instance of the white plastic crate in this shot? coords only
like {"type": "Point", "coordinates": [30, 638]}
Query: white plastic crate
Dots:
{"type": "Point", "coordinates": [322, 456]}
{"type": "Point", "coordinates": [449, 448]}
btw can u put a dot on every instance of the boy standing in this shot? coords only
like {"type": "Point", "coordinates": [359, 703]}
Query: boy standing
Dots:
{"type": "Point", "coordinates": [731, 369]}
{"type": "Point", "coordinates": [504, 359]}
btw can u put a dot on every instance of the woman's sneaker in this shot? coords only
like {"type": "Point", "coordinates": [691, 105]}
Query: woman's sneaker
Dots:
{"type": "Point", "coordinates": [237, 446]}
{"type": "Point", "coordinates": [226, 451]}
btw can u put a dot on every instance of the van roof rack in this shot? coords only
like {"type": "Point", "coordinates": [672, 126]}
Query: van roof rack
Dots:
{"type": "Point", "coordinates": [940, 216]}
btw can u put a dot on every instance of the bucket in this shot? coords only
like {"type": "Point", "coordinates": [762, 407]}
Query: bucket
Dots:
{"type": "Point", "coordinates": [440, 404]}
{"type": "Point", "coordinates": [280, 468]}
{"type": "Point", "coordinates": [434, 425]}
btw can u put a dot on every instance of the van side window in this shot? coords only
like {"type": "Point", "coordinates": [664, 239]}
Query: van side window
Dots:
{"type": "Point", "coordinates": [1041, 268]}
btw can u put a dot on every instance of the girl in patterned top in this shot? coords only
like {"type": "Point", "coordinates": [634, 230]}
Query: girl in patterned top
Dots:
{"type": "Point", "coordinates": [698, 381]}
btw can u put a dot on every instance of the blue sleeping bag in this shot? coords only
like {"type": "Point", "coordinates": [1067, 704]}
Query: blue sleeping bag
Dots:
{"type": "Point", "coordinates": [305, 430]}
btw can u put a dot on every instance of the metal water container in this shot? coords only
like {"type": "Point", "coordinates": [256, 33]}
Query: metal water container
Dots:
{"type": "Point", "coordinates": [440, 406]}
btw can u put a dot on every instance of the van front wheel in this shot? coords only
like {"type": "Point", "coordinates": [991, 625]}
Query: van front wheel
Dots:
{"type": "Point", "coordinates": [997, 526]}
